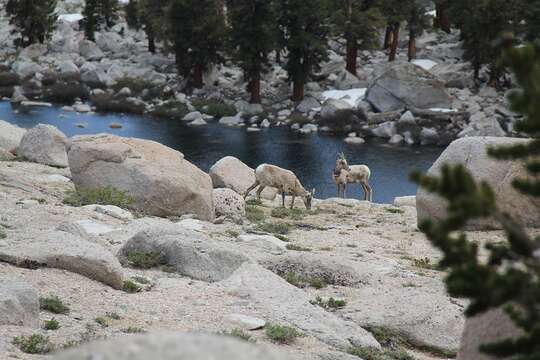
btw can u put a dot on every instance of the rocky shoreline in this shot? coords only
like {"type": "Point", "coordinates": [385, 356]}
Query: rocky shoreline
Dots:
{"type": "Point", "coordinates": [432, 102]}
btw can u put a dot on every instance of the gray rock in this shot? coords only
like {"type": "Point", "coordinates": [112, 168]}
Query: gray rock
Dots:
{"type": "Point", "coordinates": [407, 118]}
{"type": "Point", "coordinates": [331, 106]}
{"type": "Point", "coordinates": [472, 152]}
{"type": "Point", "coordinates": [405, 84]}
{"type": "Point", "coordinates": [172, 346]}
{"type": "Point", "coordinates": [6, 155]}
{"type": "Point", "coordinates": [188, 252]}
{"type": "Point", "coordinates": [354, 140]}
{"type": "Point", "coordinates": [94, 77]}
{"type": "Point", "coordinates": [429, 136]}
{"type": "Point", "coordinates": [227, 202]}
{"type": "Point", "coordinates": [159, 179]}
{"type": "Point", "coordinates": [232, 120]}
{"type": "Point", "coordinates": [111, 210]}
{"type": "Point", "coordinates": [10, 136]}
{"type": "Point", "coordinates": [26, 68]}
{"type": "Point", "coordinates": [396, 139]}
{"type": "Point", "coordinates": [482, 125]}
{"type": "Point", "coordinates": [454, 75]}
{"type": "Point", "coordinates": [244, 107]}
{"type": "Point", "coordinates": [61, 250]}
{"type": "Point", "coordinates": [44, 144]}
{"type": "Point", "coordinates": [405, 201]}
{"type": "Point", "coordinates": [198, 122]}
{"type": "Point", "coordinates": [266, 242]}
{"type": "Point", "coordinates": [90, 51]}
{"type": "Point", "coordinates": [284, 303]}
{"type": "Point", "coordinates": [85, 228]}
{"type": "Point", "coordinates": [385, 130]}
{"type": "Point", "coordinates": [19, 304]}
{"type": "Point", "coordinates": [245, 322]}
{"type": "Point", "coordinates": [309, 103]}
{"type": "Point", "coordinates": [347, 81]}
{"type": "Point", "coordinates": [232, 173]}
{"type": "Point", "coordinates": [487, 328]}
{"type": "Point", "coordinates": [192, 116]}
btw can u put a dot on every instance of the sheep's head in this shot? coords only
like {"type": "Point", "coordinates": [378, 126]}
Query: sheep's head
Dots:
{"type": "Point", "coordinates": [341, 164]}
{"type": "Point", "coordinates": [308, 198]}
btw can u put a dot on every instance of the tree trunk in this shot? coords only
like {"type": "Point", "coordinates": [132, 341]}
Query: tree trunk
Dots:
{"type": "Point", "coordinates": [476, 67]}
{"type": "Point", "coordinates": [412, 47]}
{"type": "Point", "coordinates": [352, 54]}
{"type": "Point", "coordinates": [395, 42]}
{"type": "Point", "coordinates": [278, 56]}
{"type": "Point", "coordinates": [298, 90]}
{"type": "Point", "coordinates": [151, 44]}
{"type": "Point", "coordinates": [442, 21]}
{"type": "Point", "coordinates": [255, 88]}
{"type": "Point", "coordinates": [198, 76]}
{"type": "Point", "coordinates": [387, 37]}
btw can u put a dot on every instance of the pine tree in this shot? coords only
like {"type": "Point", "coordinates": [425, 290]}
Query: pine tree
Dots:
{"type": "Point", "coordinates": [510, 278]}
{"type": "Point", "coordinates": [395, 12]}
{"type": "Point", "coordinates": [34, 20]}
{"type": "Point", "coordinates": [152, 13]}
{"type": "Point", "coordinates": [358, 22]}
{"type": "Point", "coordinates": [98, 15]}
{"type": "Point", "coordinates": [253, 32]}
{"type": "Point", "coordinates": [133, 17]}
{"type": "Point", "coordinates": [532, 20]}
{"type": "Point", "coordinates": [417, 22]}
{"type": "Point", "coordinates": [196, 32]}
{"type": "Point", "coordinates": [306, 28]}
{"type": "Point", "coordinates": [481, 23]}
{"type": "Point", "coordinates": [442, 21]}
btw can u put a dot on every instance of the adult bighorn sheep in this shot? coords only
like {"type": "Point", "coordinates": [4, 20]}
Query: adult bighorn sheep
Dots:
{"type": "Point", "coordinates": [345, 174]}
{"type": "Point", "coordinates": [284, 180]}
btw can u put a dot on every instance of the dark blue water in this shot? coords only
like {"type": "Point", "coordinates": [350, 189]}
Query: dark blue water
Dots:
{"type": "Point", "coordinates": [311, 157]}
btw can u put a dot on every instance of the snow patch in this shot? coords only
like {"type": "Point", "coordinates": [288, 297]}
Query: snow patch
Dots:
{"type": "Point", "coordinates": [443, 110]}
{"type": "Point", "coordinates": [424, 63]}
{"type": "Point", "coordinates": [71, 18]}
{"type": "Point", "coordinates": [352, 96]}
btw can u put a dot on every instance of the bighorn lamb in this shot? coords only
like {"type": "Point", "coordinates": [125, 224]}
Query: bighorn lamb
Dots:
{"type": "Point", "coordinates": [284, 180]}
{"type": "Point", "coordinates": [345, 174]}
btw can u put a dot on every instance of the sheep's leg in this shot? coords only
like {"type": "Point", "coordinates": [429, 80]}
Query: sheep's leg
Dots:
{"type": "Point", "coordinates": [259, 191]}
{"type": "Point", "coordinates": [251, 188]}
{"type": "Point", "coordinates": [338, 190]}
{"type": "Point", "coordinates": [292, 202]}
{"type": "Point", "coordinates": [370, 190]}
{"type": "Point", "coordinates": [283, 199]}
{"type": "Point", "coordinates": [344, 190]}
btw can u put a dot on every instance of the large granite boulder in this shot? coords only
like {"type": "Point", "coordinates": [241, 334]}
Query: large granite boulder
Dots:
{"type": "Point", "coordinates": [487, 328]}
{"type": "Point", "coordinates": [44, 144]}
{"type": "Point", "coordinates": [232, 173]}
{"type": "Point", "coordinates": [407, 85]}
{"type": "Point", "coordinates": [188, 252]}
{"type": "Point", "coordinates": [472, 152]}
{"type": "Point", "coordinates": [19, 304]}
{"type": "Point", "coordinates": [10, 136]}
{"type": "Point", "coordinates": [229, 203]}
{"type": "Point", "coordinates": [172, 346]}
{"type": "Point", "coordinates": [61, 250]}
{"type": "Point", "coordinates": [159, 179]}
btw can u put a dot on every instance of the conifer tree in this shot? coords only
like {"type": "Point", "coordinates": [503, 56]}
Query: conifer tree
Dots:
{"type": "Point", "coordinates": [99, 14]}
{"type": "Point", "coordinates": [253, 32]}
{"type": "Point", "coordinates": [358, 22]}
{"type": "Point", "coordinates": [395, 12]}
{"type": "Point", "coordinates": [34, 20]}
{"type": "Point", "coordinates": [510, 278]}
{"type": "Point", "coordinates": [417, 22]}
{"type": "Point", "coordinates": [532, 20]}
{"type": "Point", "coordinates": [152, 15]}
{"type": "Point", "coordinates": [196, 33]}
{"type": "Point", "coordinates": [306, 28]}
{"type": "Point", "coordinates": [442, 21]}
{"type": "Point", "coordinates": [133, 17]}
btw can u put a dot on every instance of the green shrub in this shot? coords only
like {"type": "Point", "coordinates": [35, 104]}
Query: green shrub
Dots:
{"type": "Point", "coordinates": [330, 304]}
{"type": "Point", "coordinates": [33, 344]}
{"type": "Point", "coordinates": [425, 263]}
{"type": "Point", "coordinates": [295, 247]}
{"type": "Point", "coordinates": [232, 233]}
{"type": "Point", "coordinates": [294, 214]}
{"type": "Point", "coordinates": [133, 330]}
{"type": "Point", "coordinates": [376, 354]}
{"type": "Point", "coordinates": [254, 202]}
{"type": "Point", "coordinates": [282, 334]}
{"type": "Point", "coordinates": [102, 322]}
{"type": "Point", "coordinates": [52, 303]}
{"type": "Point", "coordinates": [239, 334]}
{"type": "Point", "coordinates": [113, 316]}
{"type": "Point", "coordinates": [65, 93]}
{"type": "Point", "coordinates": [301, 281]}
{"type": "Point", "coordinates": [170, 110]}
{"type": "Point", "coordinates": [317, 283]}
{"type": "Point", "coordinates": [3, 234]}
{"type": "Point", "coordinates": [144, 259]}
{"type": "Point", "coordinates": [130, 287]}
{"type": "Point", "coordinates": [214, 108]}
{"type": "Point", "coordinates": [107, 103]}
{"type": "Point", "coordinates": [254, 214]}
{"type": "Point", "coordinates": [51, 325]}
{"type": "Point", "coordinates": [141, 280]}
{"type": "Point", "coordinates": [136, 85]}
{"type": "Point", "coordinates": [101, 196]}
{"type": "Point", "coordinates": [274, 228]}
{"type": "Point", "coordinates": [394, 210]}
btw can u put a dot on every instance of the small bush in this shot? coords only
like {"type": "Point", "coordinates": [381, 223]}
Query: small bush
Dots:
{"type": "Point", "coordinates": [133, 330]}
{"type": "Point", "coordinates": [51, 325]}
{"type": "Point", "coordinates": [294, 214]}
{"type": "Point", "coordinates": [9, 79]}
{"type": "Point", "coordinates": [295, 247]}
{"type": "Point", "coordinates": [101, 196]}
{"type": "Point", "coordinates": [330, 304]}
{"type": "Point", "coordinates": [34, 344]}
{"type": "Point", "coordinates": [425, 263]}
{"type": "Point", "coordinates": [274, 228]}
{"type": "Point", "coordinates": [3, 234]}
{"type": "Point", "coordinates": [113, 316]}
{"type": "Point", "coordinates": [136, 85]}
{"type": "Point", "coordinates": [239, 334]}
{"type": "Point", "coordinates": [317, 283]}
{"type": "Point", "coordinates": [130, 287]}
{"type": "Point", "coordinates": [65, 93]}
{"type": "Point", "coordinates": [144, 259]}
{"type": "Point", "coordinates": [101, 321]}
{"type": "Point", "coordinates": [214, 108]}
{"type": "Point", "coordinates": [282, 334]}
{"type": "Point", "coordinates": [300, 281]}
{"type": "Point", "coordinates": [254, 214]}
{"type": "Point", "coordinates": [141, 280]}
{"type": "Point", "coordinates": [232, 233]}
{"type": "Point", "coordinates": [393, 210]}
{"type": "Point", "coordinates": [170, 110]}
{"type": "Point", "coordinates": [52, 303]}
{"type": "Point", "coordinates": [108, 103]}
{"type": "Point", "coordinates": [376, 354]}
{"type": "Point", "coordinates": [254, 202]}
